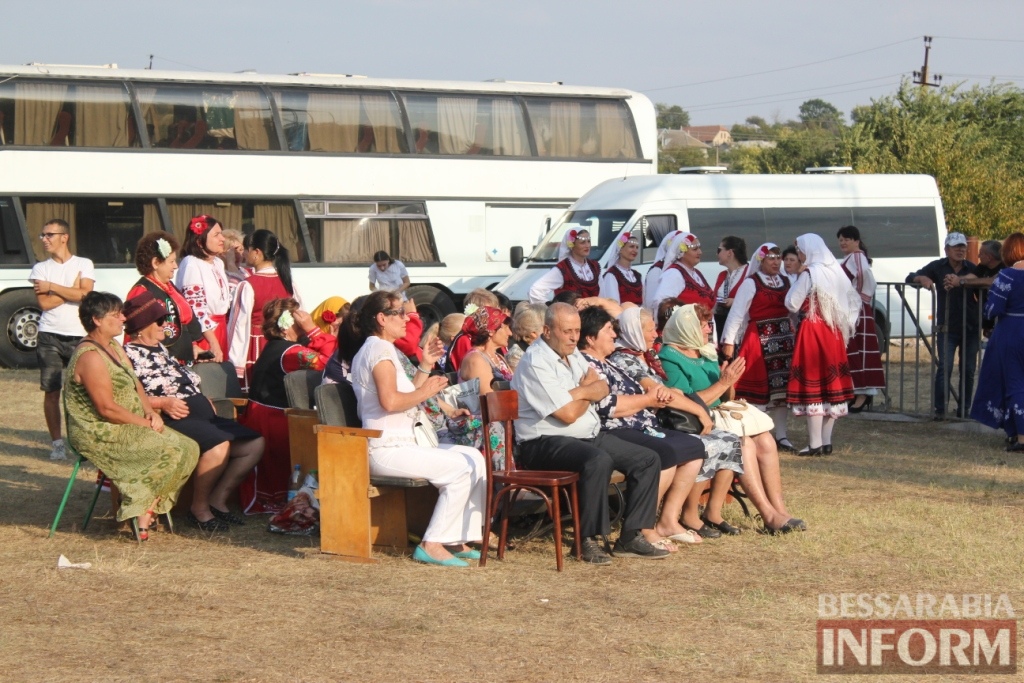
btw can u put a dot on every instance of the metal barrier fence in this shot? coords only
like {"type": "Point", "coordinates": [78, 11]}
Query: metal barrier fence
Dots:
{"type": "Point", "coordinates": [919, 355]}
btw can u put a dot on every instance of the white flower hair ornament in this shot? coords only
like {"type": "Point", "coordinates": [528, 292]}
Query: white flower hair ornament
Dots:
{"type": "Point", "coordinates": [285, 321]}
{"type": "Point", "coordinates": [470, 309]}
{"type": "Point", "coordinates": [163, 247]}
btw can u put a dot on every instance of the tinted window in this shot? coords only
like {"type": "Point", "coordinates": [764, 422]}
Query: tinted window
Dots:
{"type": "Point", "coordinates": [785, 225]}
{"type": "Point", "coordinates": [66, 114]}
{"type": "Point", "coordinates": [603, 226]}
{"type": "Point", "coordinates": [12, 249]}
{"type": "Point", "coordinates": [582, 128]}
{"type": "Point", "coordinates": [711, 225]}
{"type": "Point", "coordinates": [349, 233]}
{"type": "Point", "coordinates": [894, 232]}
{"type": "Point", "coordinates": [105, 230]}
{"type": "Point", "coordinates": [348, 122]}
{"type": "Point", "coordinates": [463, 123]}
{"type": "Point", "coordinates": [207, 117]}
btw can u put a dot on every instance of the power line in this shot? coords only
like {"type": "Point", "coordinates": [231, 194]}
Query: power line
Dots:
{"type": "Point", "coordinates": [191, 66]}
{"type": "Point", "coordinates": [793, 99]}
{"type": "Point", "coordinates": [785, 68]}
{"type": "Point", "coordinates": [984, 40]}
{"type": "Point", "coordinates": [754, 100]}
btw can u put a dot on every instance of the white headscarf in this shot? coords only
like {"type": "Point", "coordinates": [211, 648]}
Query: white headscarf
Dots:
{"type": "Point", "coordinates": [617, 246]}
{"type": "Point", "coordinates": [681, 244]}
{"type": "Point", "coordinates": [833, 298]}
{"type": "Point", "coordinates": [685, 329]}
{"type": "Point", "coordinates": [568, 240]}
{"type": "Point", "coordinates": [757, 258]}
{"type": "Point", "coordinates": [663, 247]}
{"type": "Point", "coordinates": [631, 331]}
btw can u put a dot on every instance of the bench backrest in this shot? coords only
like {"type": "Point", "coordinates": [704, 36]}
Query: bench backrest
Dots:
{"type": "Point", "coordinates": [336, 405]}
{"type": "Point", "coordinates": [218, 380]}
{"type": "Point", "coordinates": [299, 387]}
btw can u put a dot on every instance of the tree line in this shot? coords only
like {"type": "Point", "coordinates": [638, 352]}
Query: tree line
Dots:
{"type": "Point", "coordinates": [971, 140]}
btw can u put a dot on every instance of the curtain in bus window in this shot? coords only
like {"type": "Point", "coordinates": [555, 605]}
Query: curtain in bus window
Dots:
{"type": "Point", "coordinates": [101, 117]}
{"type": "Point", "coordinates": [381, 116]}
{"type": "Point", "coordinates": [253, 129]}
{"type": "Point", "coordinates": [151, 218]}
{"type": "Point", "coordinates": [414, 242]}
{"type": "Point", "coordinates": [615, 138]}
{"type": "Point", "coordinates": [280, 219]}
{"type": "Point", "coordinates": [565, 129]}
{"type": "Point", "coordinates": [180, 214]}
{"type": "Point", "coordinates": [333, 123]}
{"type": "Point", "coordinates": [354, 240]}
{"type": "Point", "coordinates": [37, 213]}
{"type": "Point", "coordinates": [157, 116]}
{"type": "Point", "coordinates": [456, 124]}
{"type": "Point", "coordinates": [506, 129]}
{"type": "Point", "coordinates": [36, 106]}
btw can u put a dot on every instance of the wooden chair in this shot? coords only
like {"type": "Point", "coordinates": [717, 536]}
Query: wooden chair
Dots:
{"type": "Point", "coordinates": [299, 387]}
{"type": "Point", "coordinates": [503, 407]}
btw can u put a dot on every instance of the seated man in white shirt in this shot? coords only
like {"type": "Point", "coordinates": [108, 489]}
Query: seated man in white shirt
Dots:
{"type": "Point", "coordinates": [558, 429]}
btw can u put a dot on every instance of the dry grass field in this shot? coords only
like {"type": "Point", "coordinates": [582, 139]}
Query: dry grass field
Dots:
{"type": "Point", "coordinates": [900, 508]}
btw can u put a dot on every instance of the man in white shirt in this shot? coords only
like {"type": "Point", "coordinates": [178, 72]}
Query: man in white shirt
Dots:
{"type": "Point", "coordinates": [558, 429]}
{"type": "Point", "coordinates": [388, 274]}
{"type": "Point", "coordinates": [60, 282]}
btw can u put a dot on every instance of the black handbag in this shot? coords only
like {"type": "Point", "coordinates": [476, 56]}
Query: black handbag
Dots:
{"type": "Point", "coordinates": [681, 421]}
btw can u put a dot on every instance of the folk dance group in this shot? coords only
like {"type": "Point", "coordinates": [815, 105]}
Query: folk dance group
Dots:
{"type": "Point", "coordinates": [806, 334]}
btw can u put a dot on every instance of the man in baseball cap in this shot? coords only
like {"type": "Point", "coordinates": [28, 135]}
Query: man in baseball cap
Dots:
{"type": "Point", "coordinates": [951, 301]}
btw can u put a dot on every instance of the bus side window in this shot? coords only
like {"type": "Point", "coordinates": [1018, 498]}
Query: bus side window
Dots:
{"type": "Point", "coordinates": [11, 248]}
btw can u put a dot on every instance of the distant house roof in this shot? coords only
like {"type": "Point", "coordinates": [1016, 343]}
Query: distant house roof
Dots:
{"type": "Point", "coordinates": [710, 135]}
{"type": "Point", "coordinates": [669, 138]}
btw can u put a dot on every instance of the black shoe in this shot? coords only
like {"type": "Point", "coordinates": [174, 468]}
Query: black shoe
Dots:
{"type": "Point", "coordinates": [638, 546]}
{"type": "Point", "coordinates": [805, 452]}
{"type": "Point", "coordinates": [722, 526]}
{"type": "Point", "coordinates": [825, 450]}
{"type": "Point", "coordinates": [1015, 447]}
{"type": "Point", "coordinates": [868, 402]}
{"type": "Point", "coordinates": [593, 552]}
{"type": "Point", "coordinates": [227, 516]}
{"type": "Point", "coordinates": [796, 524]}
{"type": "Point", "coordinates": [704, 531]}
{"type": "Point", "coordinates": [785, 445]}
{"type": "Point", "coordinates": [209, 525]}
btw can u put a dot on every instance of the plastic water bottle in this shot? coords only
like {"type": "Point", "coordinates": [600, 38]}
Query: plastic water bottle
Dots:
{"type": "Point", "coordinates": [294, 487]}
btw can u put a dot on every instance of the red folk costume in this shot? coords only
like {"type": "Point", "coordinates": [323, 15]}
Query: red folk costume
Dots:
{"type": "Point", "coordinates": [863, 352]}
{"type": "Point", "coordinates": [572, 278]}
{"type": "Point", "coordinates": [820, 372]}
{"type": "Point", "coordinates": [265, 490]}
{"type": "Point", "coordinates": [631, 292]}
{"type": "Point", "coordinates": [768, 345]}
{"type": "Point", "coordinates": [696, 289]}
{"type": "Point", "coordinates": [181, 328]}
{"type": "Point", "coordinates": [266, 287]}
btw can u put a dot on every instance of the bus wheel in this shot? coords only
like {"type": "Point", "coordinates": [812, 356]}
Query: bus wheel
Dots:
{"type": "Point", "coordinates": [433, 304]}
{"type": "Point", "coordinates": [19, 313]}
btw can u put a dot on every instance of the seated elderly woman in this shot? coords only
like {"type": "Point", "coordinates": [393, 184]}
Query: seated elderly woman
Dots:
{"type": "Point", "coordinates": [387, 401]}
{"type": "Point", "coordinates": [527, 324]}
{"type": "Point", "coordinates": [113, 425]}
{"type": "Point", "coordinates": [628, 413]}
{"type": "Point", "coordinates": [227, 450]}
{"type": "Point", "coordinates": [266, 487]}
{"type": "Point", "coordinates": [691, 365]}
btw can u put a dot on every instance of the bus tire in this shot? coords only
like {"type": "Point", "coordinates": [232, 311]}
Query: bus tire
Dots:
{"type": "Point", "coordinates": [19, 315]}
{"type": "Point", "coordinates": [433, 304]}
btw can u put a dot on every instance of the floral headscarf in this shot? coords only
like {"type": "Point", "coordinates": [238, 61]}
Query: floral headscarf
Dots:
{"type": "Point", "coordinates": [758, 257]}
{"type": "Point", "coordinates": [569, 241]}
{"type": "Point", "coordinates": [682, 243]}
{"type": "Point", "coordinates": [484, 318]}
{"type": "Point", "coordinates": [685, 329]}
{"type": "Point", "coordinates": [327, 312]}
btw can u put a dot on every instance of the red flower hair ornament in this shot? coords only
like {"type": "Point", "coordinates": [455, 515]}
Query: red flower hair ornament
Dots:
{"type": "Point", "coordinates": [199, 224]}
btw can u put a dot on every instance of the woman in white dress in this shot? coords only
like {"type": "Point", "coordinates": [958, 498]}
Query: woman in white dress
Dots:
{"type": "Point", "coordinates": [202, 279]}
{"type": "Point", "coordinates": [388, 274]}
{"type": "Point", "coordinates": [388, 401]}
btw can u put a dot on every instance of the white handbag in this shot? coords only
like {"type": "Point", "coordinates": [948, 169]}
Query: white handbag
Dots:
{"type": "Point", "coordinates": [423, 430]}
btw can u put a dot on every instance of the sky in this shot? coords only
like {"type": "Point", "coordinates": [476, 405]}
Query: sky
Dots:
{"type": "Point", "coordinates": [721, 61]}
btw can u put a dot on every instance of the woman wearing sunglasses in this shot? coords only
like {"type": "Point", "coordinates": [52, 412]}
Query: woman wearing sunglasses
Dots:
{"type": "Point", "coordinates": [227, 450]}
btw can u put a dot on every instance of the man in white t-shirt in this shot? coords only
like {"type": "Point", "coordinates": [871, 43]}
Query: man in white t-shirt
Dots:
{"type": "Point", "coordinates": [60, 283]}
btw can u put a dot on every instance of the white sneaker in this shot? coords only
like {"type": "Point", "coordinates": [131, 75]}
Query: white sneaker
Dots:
{"type": "Point", "coordinates": [58, 452]}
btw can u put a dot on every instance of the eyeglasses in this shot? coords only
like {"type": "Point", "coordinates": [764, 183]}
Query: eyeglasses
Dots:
{"type": "Point", "coordinates": [395, 311]}
{"type": "Point", "coordinates": [50, 235]}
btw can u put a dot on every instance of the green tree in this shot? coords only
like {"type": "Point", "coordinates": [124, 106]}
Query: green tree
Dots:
{"type": "Point", "coordinates": [969, 140]}
{"type": "Point", "coordinates": [674, 116]}
{"type": "Point", "coordinates": [671, 160]}
{"type": "Point", "coordinates": [818, 113]}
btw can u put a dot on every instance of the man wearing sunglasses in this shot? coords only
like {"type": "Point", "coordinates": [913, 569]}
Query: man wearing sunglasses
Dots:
{"type": "Point", "coordinates": [60, 282]}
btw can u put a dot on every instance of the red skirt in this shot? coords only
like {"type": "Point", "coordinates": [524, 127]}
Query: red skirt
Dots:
{"type": "Point", "coordinates": [221, 332]}
{"type": "Point", "coordinates": [768, 349]}
{"type": "Point", "coordinates": [820, 372]}
{"type": "Point", "coordinates": [864, 355]}
{"type": "Point", "coordinates": [256, 343]}
{"type": "Point", "coordinates": [265, 489]}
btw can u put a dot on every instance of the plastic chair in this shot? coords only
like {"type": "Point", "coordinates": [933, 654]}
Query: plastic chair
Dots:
{"type": "Point", "coordinates": [299, 387]}
{"type": "Point", "coordinates": [503, 407]}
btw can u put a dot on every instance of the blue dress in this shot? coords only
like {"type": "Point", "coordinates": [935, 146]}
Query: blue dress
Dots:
{"type": "Point", "coordinates": [999, 401]}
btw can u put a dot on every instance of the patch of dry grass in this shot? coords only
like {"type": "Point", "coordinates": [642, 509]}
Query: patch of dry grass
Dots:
{"type": "Point", "coordinates": [900, 508]}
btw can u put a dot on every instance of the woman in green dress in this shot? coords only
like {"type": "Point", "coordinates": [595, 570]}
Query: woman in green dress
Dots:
{"type": "Point", "coordinates": [112, 424]}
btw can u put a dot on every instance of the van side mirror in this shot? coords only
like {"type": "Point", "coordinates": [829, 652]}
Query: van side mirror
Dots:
{"type": "Point", "coordinates": [515, 256]}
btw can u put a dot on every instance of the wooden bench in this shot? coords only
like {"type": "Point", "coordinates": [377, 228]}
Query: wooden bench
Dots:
{"type": "Point", "coordinates": [357, 511]}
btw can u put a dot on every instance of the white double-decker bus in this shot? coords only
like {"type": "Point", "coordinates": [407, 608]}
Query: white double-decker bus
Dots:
{"type": "Point", "coordinates": [445, 176]}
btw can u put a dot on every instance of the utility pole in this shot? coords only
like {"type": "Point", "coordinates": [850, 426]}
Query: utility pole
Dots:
{"type": "Point", "coordinates": [921, 77]}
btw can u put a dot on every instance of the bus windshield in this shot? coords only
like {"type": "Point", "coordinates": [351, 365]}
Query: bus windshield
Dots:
{"type": "Point", "coordinates": [602, 225]}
